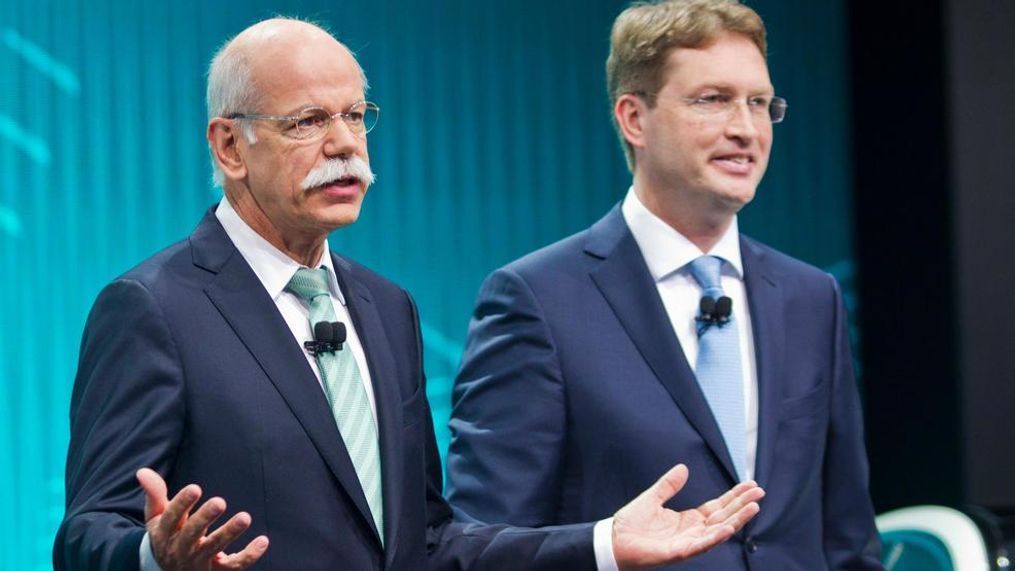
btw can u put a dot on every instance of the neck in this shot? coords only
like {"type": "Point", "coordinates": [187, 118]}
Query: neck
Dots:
{"type": "Point", "coordinates": [697, 218]}
{"type": "Point", "coordinates": [304, 248]}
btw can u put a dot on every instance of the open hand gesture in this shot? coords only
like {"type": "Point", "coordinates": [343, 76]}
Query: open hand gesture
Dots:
{"type": "Point", "coordinates": [180, 539]}
{"type": "Point", "coordinates": [646, 534]}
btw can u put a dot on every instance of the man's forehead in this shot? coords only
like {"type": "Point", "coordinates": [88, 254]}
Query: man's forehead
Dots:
{"type": "Point", "coordinates": [723, 45]}
{"type": "Point", "coordinates": [731, 60]}
{"type": "Point", "coordinates": [301, 73]}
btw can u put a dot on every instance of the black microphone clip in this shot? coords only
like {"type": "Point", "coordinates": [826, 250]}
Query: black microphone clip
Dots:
{"type": "Point", "coordinates": [713, 312]}
{"type": "Point", "coordinates": [328, 338]}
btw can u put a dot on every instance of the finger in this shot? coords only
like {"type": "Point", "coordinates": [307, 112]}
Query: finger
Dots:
{"type": "Point", "coordinates": [668, 485]}
{"type": "Point", "coordinates": [740, 518]}
{"type": "Point", "coordinates": [730, 497]}
{"type": "Point", "coordinates": [178, 508]}
{"type": "Point", "coordinates": [736, 504]}
{"type": "Point", "coordinates": [155, 494]}
{"type": "Point", "coordinates": [243, 559]}
{"type": "Point", "coordinates": [197, 524]}
{"type": "Point", "coordinates": [219, 539]}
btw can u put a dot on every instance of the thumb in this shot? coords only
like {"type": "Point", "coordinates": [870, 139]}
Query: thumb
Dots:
{"type": "Point", "coordinates": [154, 487]}
{"type": "Point", "coordinates": [666, 487]}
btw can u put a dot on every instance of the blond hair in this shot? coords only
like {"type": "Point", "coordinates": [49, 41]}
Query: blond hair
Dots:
{"type": "Point", "coordinates": [645, 33]}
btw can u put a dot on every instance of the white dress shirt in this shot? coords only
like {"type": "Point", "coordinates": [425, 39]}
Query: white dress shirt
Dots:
{"type": "Point", "coordinates": [274, 269]}
{"type": "Point", "coordinates": [667, 254]}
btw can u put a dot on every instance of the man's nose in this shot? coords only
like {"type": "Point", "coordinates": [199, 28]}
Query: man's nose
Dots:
{"type": "Point", "coordinates": [741, 122]}
{"type": "Point", "coordinates": [340, 140]}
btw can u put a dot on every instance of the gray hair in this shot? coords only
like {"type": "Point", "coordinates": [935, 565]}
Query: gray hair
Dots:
{"type": "Point", "coordinates": [231, 90]}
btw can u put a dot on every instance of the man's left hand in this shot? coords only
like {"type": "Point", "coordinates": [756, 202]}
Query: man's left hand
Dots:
{"type": "Point", "coordinates": [645, 533]}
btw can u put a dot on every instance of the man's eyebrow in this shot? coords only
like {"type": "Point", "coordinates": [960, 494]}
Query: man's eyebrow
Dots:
{"type": "Point", "coordinates": [294, 111]}
{"type": "Point", "coordinates": [729, 88]}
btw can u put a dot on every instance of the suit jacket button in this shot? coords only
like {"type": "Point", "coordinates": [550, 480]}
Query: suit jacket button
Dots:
{"type": "Point", "coordinates": [750, 545]}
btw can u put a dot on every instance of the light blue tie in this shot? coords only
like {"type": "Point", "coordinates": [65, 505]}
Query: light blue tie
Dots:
{"type": "Point", "coordinates": [346, 395]}
{"type": "Point", "coordinates": [718, 368]}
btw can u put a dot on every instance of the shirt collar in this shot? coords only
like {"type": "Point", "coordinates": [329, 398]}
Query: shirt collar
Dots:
{"type": "Point", "coordinates": [665, 250]}
{"type": "Point", "coordinates": [272, 266]}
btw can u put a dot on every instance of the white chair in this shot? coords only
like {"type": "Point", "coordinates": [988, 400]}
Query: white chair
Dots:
{"type": "Point", "coordinates": [957, 532]}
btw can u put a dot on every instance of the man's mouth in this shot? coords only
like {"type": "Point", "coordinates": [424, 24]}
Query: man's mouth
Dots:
{"type": "Point", "coordinates": [738, 163]}
{"type": "Point", "coordinates": [344, 182]}
{"type": "Point", "coordinates": [342, 189]}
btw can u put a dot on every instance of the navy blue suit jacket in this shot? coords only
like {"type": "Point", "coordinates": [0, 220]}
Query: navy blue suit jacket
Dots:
{"type": "Point", "coordinates": [574, 395]}
{"type": "Point", "coordinates": [187, 366]}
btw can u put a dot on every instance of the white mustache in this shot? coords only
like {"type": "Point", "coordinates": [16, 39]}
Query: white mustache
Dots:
{"type": "Point", "coordinates": [335, 169]}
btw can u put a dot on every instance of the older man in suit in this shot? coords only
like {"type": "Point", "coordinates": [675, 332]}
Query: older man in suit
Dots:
{"type": "Point", "coordinates": [661, 334]}
{"type": "Point", "coordinates": [202, 366]}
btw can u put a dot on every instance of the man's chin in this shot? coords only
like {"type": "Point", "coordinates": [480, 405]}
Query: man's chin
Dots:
{"type": "Point", "coordinates": [338, 215]}
{"type": "Point", "coordinates": [735, 196]}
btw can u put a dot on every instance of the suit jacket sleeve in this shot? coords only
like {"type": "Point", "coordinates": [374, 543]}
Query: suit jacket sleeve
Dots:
{"type": "Point", "coordinates": [475, 546]}
{"type": "Point", "coordinates": [509, 390]}
{"type": "Point", "coordinates": [126, 413]}
{"type": "Point", "coordinates": [850, 538]}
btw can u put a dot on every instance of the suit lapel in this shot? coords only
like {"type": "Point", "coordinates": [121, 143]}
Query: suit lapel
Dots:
{"type": "Point", "coordinates": [624, 280]}
{"type": "Point", "coordinates": [238, 295]}
{"type": "Point", "coordinates": [766, 304]}
{"type": "Point", "coordinates": [377, 349]}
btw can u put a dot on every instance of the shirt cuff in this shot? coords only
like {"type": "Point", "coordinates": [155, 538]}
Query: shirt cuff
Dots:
{"type": "Point", "coordinates": [148, 562]}
{"type": "Point", "coordinates": [602, 541]}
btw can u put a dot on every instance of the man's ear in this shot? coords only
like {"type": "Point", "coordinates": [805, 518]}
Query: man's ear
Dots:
{"type": "Point", "coordinates": [223, 140]}
{"type": "Point", "coordinates": [629, 112]}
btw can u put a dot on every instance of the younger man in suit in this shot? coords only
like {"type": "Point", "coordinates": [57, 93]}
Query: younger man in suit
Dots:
{"type": "Point", "coordinates": [661, 334]}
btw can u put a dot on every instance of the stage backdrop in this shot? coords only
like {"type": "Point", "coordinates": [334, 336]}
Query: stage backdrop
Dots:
{"type": "Point", "coordinates": [494, 139]}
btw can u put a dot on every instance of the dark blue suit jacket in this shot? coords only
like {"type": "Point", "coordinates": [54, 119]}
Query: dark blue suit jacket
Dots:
{"type": "Point", "coordinates": [187, 366]}
{"type": "Point", "coordinates": [574, 395]}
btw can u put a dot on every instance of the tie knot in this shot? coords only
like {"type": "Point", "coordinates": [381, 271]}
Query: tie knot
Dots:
{"type": "Point", "coordinates": [706, 271]}
{"type": "Point", "coordinates": [308, 283]}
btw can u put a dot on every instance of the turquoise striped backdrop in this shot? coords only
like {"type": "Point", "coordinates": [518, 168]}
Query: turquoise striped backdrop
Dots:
{"type": "Point", "coordinates": [494, 139]}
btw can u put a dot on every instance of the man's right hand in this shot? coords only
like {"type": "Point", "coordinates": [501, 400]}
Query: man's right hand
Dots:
{"type": "Point", "coordinates": [180, 539]}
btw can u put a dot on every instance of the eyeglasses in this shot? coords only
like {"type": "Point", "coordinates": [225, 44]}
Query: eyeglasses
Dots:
{"type": "Point", "coordinates": [313, 122]}
{"type": "Point", "coordinates": [722, 106]}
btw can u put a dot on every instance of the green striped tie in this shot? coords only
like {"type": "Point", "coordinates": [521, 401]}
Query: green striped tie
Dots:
{"type": "Point", "coordinates": [346, 394]}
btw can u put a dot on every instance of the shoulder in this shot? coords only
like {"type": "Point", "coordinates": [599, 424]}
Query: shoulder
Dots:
{"type": "Point", "coordinates": [368, 278]}
{"type": "Point", "coordinates": [551, 272]}
{"type": "Point", "coordinates": [579, 252]}
{"type": "Point", "coordinates": [161, 267]}
{"type": "Point", "coordinates": [560, 255]}
{"type": "Point", "coordinates": [798, 280]}
{"type": "Point", "coordinates": [192, 261]}
{"type": "Point", "coordinates": [391, 300]}
{"type": "Point", "coordinates": [777, 262]}
{"type": "Point", "coordinates": [561, 270]}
